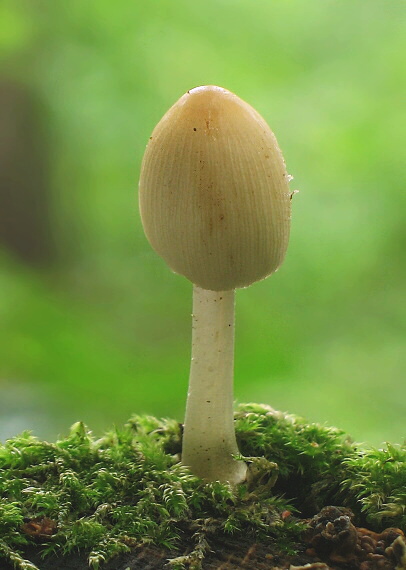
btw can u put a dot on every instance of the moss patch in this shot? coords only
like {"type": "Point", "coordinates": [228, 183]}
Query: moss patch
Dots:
{"type": "Point", "coordinates": [105, 496]}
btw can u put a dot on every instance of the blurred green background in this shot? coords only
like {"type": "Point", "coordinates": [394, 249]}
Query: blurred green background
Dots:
{"type": "Point", "coordinates": [93, 325]}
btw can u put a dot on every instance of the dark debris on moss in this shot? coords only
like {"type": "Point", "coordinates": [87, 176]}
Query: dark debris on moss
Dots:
{"type": "Point", "coordinates": [105, 496]}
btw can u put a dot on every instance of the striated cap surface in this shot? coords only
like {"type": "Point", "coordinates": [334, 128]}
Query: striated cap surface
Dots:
{"type": "Point", "coordinates": [214, 191]}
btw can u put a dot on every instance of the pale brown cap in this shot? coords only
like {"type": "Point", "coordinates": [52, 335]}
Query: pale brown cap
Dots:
{"type": "Point", "coordinates": [214, 191]}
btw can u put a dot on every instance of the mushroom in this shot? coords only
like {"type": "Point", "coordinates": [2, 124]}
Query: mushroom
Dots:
{"type": "Point", "coordinates": [215, 205]}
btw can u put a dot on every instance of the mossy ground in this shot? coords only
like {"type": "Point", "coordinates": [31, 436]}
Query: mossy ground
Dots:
{"type": "Point", "coordinates": [105, 496]}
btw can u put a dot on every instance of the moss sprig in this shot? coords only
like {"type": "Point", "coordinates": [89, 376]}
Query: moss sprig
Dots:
{"type": "Point", "coordinates": [377, 482]}
{"type": "Point", "coordinates": [310, 456]}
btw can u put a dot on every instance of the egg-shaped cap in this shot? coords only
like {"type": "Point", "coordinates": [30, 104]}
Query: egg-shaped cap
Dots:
{"type": "Point", "coordinates": [214, 191]}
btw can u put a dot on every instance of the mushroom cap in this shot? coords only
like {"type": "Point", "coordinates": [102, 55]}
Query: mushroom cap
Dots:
{"type": "Point", "coordinates": [214, 191]}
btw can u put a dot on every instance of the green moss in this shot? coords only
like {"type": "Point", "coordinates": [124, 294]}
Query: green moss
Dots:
{"type": "Point", "coordinates": [106, 495]}
{"type": "Point", "coordinates": [376, 483]}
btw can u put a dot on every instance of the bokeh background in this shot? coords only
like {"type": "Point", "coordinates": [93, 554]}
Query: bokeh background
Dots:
{"type": "Point", "coordinates": [93, 325]}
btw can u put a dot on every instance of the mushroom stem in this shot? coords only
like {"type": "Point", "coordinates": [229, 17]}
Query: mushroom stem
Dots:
{"type": "Point", "coordinates": [209, 437]}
